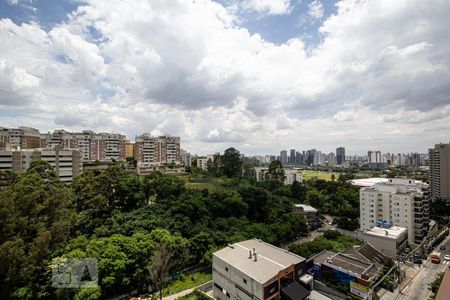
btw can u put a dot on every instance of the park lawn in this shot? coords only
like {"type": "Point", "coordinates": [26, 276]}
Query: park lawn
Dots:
{"type": "Point", "coordinates": [187, 282]}
{"type": "Point", "coordinates": [320, 175]}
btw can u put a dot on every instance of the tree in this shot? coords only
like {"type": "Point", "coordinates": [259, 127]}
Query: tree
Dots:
{"type": "Point", "coordinates": [159, 268]}
{"type": "Point", "coordinates": [276, 171]}
{"type": "Point", "coordinates": [298, 191]}
{"type": "Point", "coordinates": [231, 163]}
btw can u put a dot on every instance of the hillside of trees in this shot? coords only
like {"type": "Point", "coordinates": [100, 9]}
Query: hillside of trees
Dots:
{"type": "Point", "coordinates": [128, 222]}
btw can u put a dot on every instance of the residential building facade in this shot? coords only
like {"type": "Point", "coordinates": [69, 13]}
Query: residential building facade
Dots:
{"type": "Point", "coordinates": [67, 163]}
{"type": "Point", "coordinates": [399, 202]}
{"type": "Point", "coordinates": [19, 138]}
{"type": "Point", "coordinates": [439, 175]}
{"type": "Point", "coordinates": [93, 146]}
{"type": "Point", "coordinates": [161, 149]}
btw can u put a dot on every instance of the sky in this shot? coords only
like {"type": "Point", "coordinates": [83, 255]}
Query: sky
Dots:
{"type": "Point", "coordinates": [257, 75]}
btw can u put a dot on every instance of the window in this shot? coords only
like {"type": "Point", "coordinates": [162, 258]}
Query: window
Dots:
{"type": "Point", "coordinates": [226, 269]}
{"type": "Point", "coordinates": [244, 280]}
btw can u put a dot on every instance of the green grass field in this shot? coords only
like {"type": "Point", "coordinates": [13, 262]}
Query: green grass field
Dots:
{"type": "Point", "coordinates": [320, 175]}
{"type": "Point", "coordinates": [187, 282]}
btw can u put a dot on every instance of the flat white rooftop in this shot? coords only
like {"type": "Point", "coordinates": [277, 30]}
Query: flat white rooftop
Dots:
{"type": "Point", "coordinates": [270, 259]}
{"type": "Point", "coordinates": [392, 232]}
{"type": "Point", "coordinates": [368, 182]}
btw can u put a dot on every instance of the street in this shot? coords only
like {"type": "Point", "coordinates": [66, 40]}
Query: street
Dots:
{"type": "Point", "coordinates": [417, 289]}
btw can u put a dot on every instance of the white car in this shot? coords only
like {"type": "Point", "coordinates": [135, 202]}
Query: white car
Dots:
{"type": "Point", "coordinates": [447, 257]}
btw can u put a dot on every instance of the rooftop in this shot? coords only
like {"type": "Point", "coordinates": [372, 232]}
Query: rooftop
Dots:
{"type": "Point", "coordinates": [270, 259]}
{"type": "Point", "coordinates": [392, 232]}
{"type": "Point", "coordinates": [367, 182]}
{"type": "Point", "coordinates": [306, 208]}
{"type": "Point", "coordinates": [364, 260]}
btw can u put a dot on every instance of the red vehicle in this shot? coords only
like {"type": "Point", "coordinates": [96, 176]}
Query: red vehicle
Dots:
{"type": "Point", "coordinates": [435, 258]}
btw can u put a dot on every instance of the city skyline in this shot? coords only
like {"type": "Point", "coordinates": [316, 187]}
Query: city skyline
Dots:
{"type": "Point", "coordinates": [259, 76]}
{"type": "Point", "coordinates": [288, 151]}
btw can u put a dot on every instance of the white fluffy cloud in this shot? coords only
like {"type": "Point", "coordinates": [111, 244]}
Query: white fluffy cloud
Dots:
{"type": "Point", "coordinates": [380, 78]}
{"type": "Point", "coordinates": [267, 7]}
{"type": "Point", "coordinates": [315, 9]}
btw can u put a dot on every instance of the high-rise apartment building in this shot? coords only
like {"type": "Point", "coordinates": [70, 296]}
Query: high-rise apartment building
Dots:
{"type": "Point", "coordinates": [283, 157]}
{"type": "Point", "coordinates": [439, 175]}
{"type": "Point", "coordinates": [340, 155]}
{"type": "Point", "coordinates": [129, 149]}
{"type": "Point", "coordinates": [292, 156]}
{"type": "Point", "coordinates": [399, 202]}
{"type": "Point", "coordinates": [162, 149]}
{"type": "Point", "coordinates": [93, 146]}
{"type": "Point", "coordinates": [186, 158]}
{"type": "Point", "coordinates": [331, 159]}
{"type": "Point", "coordinates": [19, 138]}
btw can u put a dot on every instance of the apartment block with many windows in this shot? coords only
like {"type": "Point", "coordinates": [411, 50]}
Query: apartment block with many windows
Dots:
{"type": "Point", "coordinates": [19, 138]}
{"type": "Point", "coordinates": [400, 202]}
{"type": "Point", "coordinates": [161, 149]}
{"type": "Point", "coordinates": [67, 163]}
{"type": "Point", "coordinates": [93, 146]}
{"type": "Point", "coordinates": [440, 172]}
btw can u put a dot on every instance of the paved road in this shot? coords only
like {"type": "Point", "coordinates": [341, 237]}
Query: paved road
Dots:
{"type": "Point", "coordinates": [418, 287]}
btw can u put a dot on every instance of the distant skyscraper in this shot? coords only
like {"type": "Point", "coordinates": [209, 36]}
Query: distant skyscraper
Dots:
{"type": "Point", "coordinates": [292, 157]}
{"type": "Point", "coordinates": [440, 171]}
{"type": "Point", "coordinates": [283, 157]}
{"type": "Point", "coordinates": [340, 155]}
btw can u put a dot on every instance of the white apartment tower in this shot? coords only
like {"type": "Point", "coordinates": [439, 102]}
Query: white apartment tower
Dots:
{"type": "Point", "coordinates": [401, 202]}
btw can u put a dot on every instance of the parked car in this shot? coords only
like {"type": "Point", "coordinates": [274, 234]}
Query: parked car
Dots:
{"type": "Point", "coordinates": [447, 257]}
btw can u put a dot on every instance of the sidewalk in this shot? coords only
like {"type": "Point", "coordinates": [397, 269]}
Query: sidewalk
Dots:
{"type": "Point", "coordinates": [184, 293]}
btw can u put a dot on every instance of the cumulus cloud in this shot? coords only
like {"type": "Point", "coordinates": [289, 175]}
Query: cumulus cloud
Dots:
{"type": "Point", "coordinates": [315, 9]}
{"type": "Point", "coordinates": [267, 7]}
{"type": "Point", "coordinates": [190, 69]}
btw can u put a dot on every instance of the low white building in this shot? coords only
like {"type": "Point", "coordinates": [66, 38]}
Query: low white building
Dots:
{"type": "Point", "coordinates": [390, 241]}
{"type": "Point", "coordinates": [291, 175]}
{"type": "Point", "coordinates": [253, 269]}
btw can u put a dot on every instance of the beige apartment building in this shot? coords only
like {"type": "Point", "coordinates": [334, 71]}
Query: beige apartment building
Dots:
{"type": "Point", "coordinates": [161, 149]}
{"type": "Point", "coordinates": [67, 163]}
{"type": "Point", "coordinates": [129, 149]}
{"type": "Point", "coordinates": [93, 146]}
{"type": "Point", "coordinates": [440, 171]}
{"type": "Point", "coordinates": [399, 202]}
{"type": "Point", "coordinates": [19, 138]}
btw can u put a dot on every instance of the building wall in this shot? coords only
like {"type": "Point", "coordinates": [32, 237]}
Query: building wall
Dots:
{"type": "Point", "coordinates": [231, 280]}
{"type": "Point", "coordinates": [67, 163]}
{"type": "Point", "coordinates": [396, 203]}
{"type": "Point", "coordinates": [388, 246]}
{"type": "Point", "coordinates": [162, 149]}
{"type": "Point", "coordinates": [439, 158]}
{"type": "Point", "coordinates": [129, 149]}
